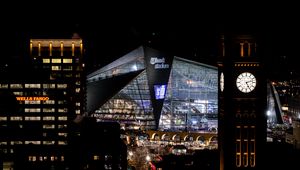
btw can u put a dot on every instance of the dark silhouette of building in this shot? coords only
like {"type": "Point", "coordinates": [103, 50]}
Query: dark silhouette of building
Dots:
{"type": "Point", "coordinates": [242, 103]}
{"type": "Point", "coordinates": [99, 146]}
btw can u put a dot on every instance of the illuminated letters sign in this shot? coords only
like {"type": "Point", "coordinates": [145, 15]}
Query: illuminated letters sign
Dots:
{"type": "Point", "coordinates": [159, 63]}
{"type": "Point", "coordinates": [160, 91]}
{"type": "Point", "coordinates": [31, 98]}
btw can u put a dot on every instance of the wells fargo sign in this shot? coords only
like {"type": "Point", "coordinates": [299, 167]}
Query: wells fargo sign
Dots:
{"type": "Point", "coordinates": [32, 98]}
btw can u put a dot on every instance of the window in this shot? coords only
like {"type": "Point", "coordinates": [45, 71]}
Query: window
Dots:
{"type": "Point", "coordinates": [48, 142]}
{"type": "Point", "coordinates": [48, 126]}
{"type": "Point", "coordinates": [49, 102]}
{"type": "Point", "coordinates": [62, 86]}
{"type": "Point", "coordinates": [3, 86]}
{"type": "Point", "coordinates": [3, 118]}
{"type": "Point", "coordinates": [62, 142]}
{"type": "Point", "coordinates": [16, 86]}
{"type": "Point", "coordinates": [67, 60]}
{"type": "Point", "coordinates": [48, 118]}
{"type": "Point", "coordinates": [16, 118]}
{"type": "Point", "coordinates": [32, 118]}
{"type": "Point", "coordinates": [62, 118]}
{"type": "Point", "coordinates": [48, 110]}
{"type": "Point", "coordinates": [33, 142]}
{"type": "Point", "coordinates": [46, 60]}
{"type": "Point", "coordinates": [32, 102]}
{"type": "Point", "coordinates": [63, 134]}
{"type": "Point", "coordinates": [16, 142]}
{"type": "Point", "coordinates": [63, 110]}
{"type": "Point", "coordinates": [56, 60]}
{"type": "Point", "coordinates": [33, 86]}
{"type": "Point", "coordinates": [56, 68]}
{"type": "Point", "coordinates": [32, 110]}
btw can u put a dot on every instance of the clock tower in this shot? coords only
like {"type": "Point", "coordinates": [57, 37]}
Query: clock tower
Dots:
{"type": "Point", "coordinates": [242, 101]}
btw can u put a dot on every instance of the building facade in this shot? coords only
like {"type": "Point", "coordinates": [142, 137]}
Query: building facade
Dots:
{"type": "Point", "coordinates": [46, 100]}
{"type": "Point", "coordinates": [147, 89]}
{"type": "Point", "coordinates": [242, 103]}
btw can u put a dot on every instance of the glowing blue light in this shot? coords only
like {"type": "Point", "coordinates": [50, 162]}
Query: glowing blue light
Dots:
{"type": "Point", "coordinates": [160, 91]}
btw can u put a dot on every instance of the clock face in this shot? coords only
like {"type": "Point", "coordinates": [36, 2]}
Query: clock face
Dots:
{"type": "Point", "coordinates": [222, 82]}
{"type": "Point", "coordinates": [246, 82]}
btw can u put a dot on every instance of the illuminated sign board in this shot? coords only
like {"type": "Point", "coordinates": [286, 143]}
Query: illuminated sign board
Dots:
{"type": "Point", "coordinates": [160, 91]}
{"type": "Point", "coordinates": [159, 63]}
{"type": "Point", "coordinates": [32, 98]}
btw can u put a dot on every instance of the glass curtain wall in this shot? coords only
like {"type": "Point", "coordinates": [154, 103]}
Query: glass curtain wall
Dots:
{"type": "Point", "coordinates": [191, 101]}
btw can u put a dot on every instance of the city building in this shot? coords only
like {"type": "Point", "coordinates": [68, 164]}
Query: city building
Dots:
{"type": "Point", "coordinates": [42, 100]}
{"type": "Point", "coordinates": [242, 103]}
{"type": "Point", "coordinates": [100, 146]}
{"type": "Point", "coordinates": [148, 89]}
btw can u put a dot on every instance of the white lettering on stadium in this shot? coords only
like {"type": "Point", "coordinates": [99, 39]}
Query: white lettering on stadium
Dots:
{"type": "Point", "coordinates": [159, 63]}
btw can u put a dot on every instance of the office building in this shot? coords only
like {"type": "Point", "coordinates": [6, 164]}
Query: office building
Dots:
{"type": "Point", "coordinates": [45, 97]}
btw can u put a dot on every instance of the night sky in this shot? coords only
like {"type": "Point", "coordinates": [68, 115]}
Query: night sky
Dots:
{"type": "Point", "coordinates": [190, 34]}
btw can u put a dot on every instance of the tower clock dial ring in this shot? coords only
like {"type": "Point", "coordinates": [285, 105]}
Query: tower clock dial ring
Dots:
{"type": "Point", "coordinates": [246, 82]}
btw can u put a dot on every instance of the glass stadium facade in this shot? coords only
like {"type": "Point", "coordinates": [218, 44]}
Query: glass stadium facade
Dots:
{"type": "Point", "coordinates": [147, 89]}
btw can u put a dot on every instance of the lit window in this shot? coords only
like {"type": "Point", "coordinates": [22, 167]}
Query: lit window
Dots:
{"type": "Point", "coordinates": [62, 86]}
{"type": "Point", "coordinates": [16, 86]}
{"type": "Point", "coordinates": [66, 60]}
{"type": "Point", "coordinates": [16, 142]}
{"type": "Point", "coordinates": [32, 102]}
{"type": "Point", "coordinates": [63, 110]}
{"type": "Point", "coordinates": [52, 158]}
{"type": "Point", "coordinates": [48, 142]}
{"type": "Point", "coordinates": [3, 143]}
{"type": "Point", "coordinates": [62, 126]}
{"type": "Point", "coordinates": [96, 157]}
{"type": "Point", "coordinates": [52, 86]}
{"type": "Point", "coordinates": [48, 126]}
{"type": "Point", "coordinates": [3, 118]}
{"type": "Point", "coordinates": [77, 90]}
{"type": "Point", "coordinates": [16, 118]}
{"type": "Point", "coordinates": [55, 60]}
{"type": "Point", "coordinates": [56, 68]}
{"type": "Point", "coordinates": [48, 118]}
{"type": "Point", "coordinates": [62, 118]}
{"type": "Point", "coordinates": [32, 118]}
{"type": "Point", "coordinates": [49, 102]}
{"type": "Point", "coordinates": [77, 111]}
{"type": "Point", "coordinates": [33, 86]}
{"type": "Point", "coordinates": [3, 86]}
{"type": "Point", "coordinates": [33, 142]}
{"type": "Point", "coordinates": [63, 134]}
{"type": "Point", "coordinates": [32, 110]}
{"type": "Point", "coordinates": [62, 142]}
{"type": "Point", "coordinates": [48, 110]}
{"type": "Point", "coordinates": [77, 104]}
{"type": "Point", "coordinates": [18, 93]}
{"type": "Point", "coordinates": [46, 60]}
{"type": "Point", "coordinates": [62, 158]}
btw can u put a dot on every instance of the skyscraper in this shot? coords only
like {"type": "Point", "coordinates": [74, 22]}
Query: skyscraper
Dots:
{"type": "Point", "coordinates": [46, 99]}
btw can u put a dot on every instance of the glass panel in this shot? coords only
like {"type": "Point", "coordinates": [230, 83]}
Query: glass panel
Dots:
{"type": "Point", "coordinates": [131, 106]}
{"type": "Point", "coordinates": [191, 101]}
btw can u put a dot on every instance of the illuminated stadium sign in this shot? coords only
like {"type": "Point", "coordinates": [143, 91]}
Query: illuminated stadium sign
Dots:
{"type": "Point", "coordinates": [159, 63]}
{"type": "Point", "coordinates": [160, 91]}
{"type": "Point", "coordinates": [31, 98]}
